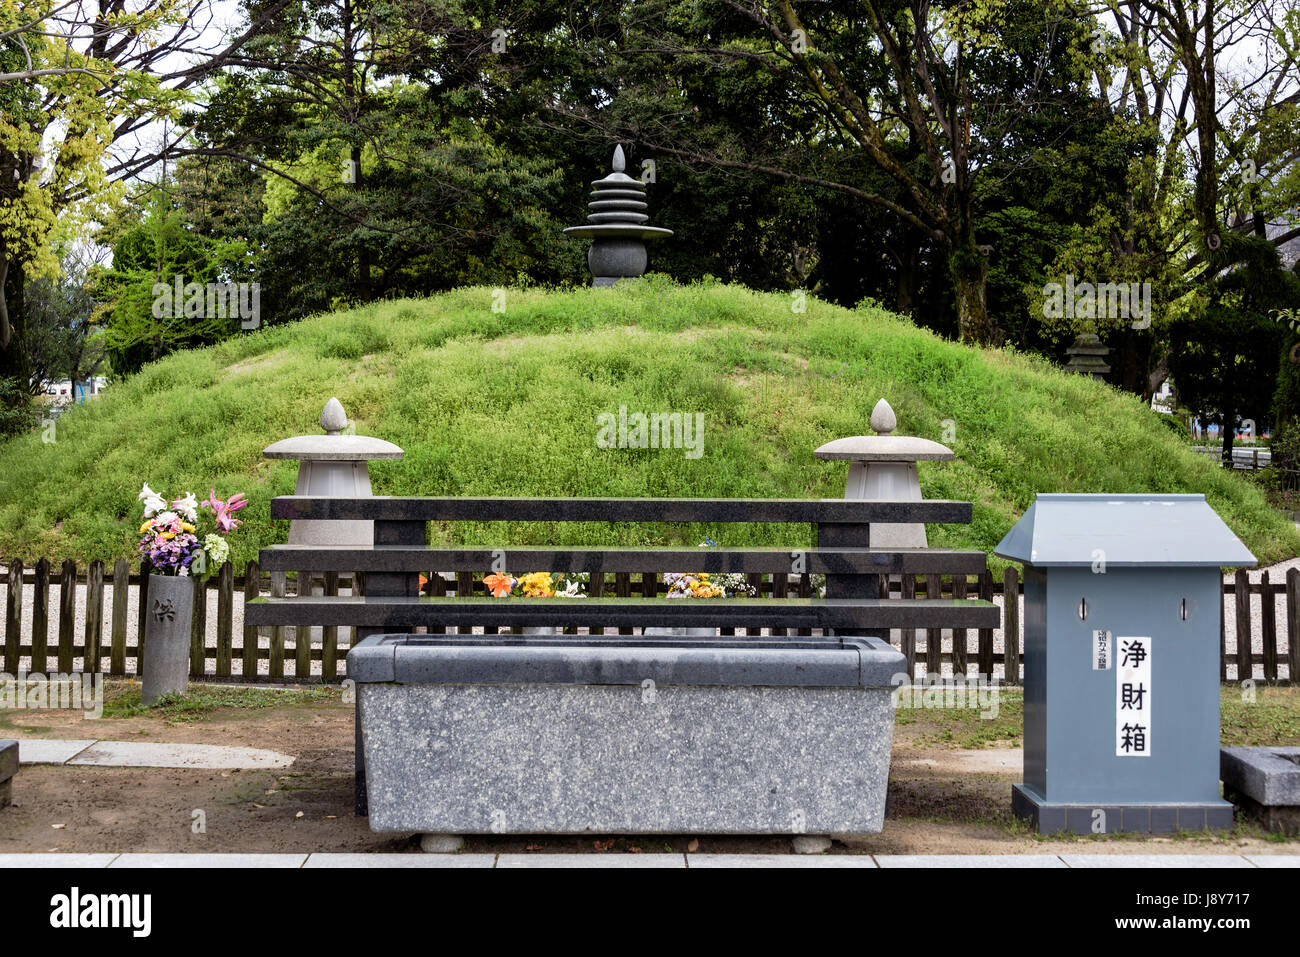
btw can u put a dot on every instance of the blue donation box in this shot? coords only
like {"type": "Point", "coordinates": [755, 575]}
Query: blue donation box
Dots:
{"type": "Point", "coordinates": [1121, 650]}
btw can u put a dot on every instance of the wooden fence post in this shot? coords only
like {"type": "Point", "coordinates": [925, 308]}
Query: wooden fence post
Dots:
{"type": "Point", "coordinates": [252, 589]}
{"type": "Point", "coordinates": [13, 615]}
{"type": "Point", "coordinates": [199, 630]}
{"type": "Point", "coordinates": [934, 636]}
{"type": "Point", "coordinates": [780, 589]}
{"type": "Point", "coordinates": [94, 616]}
{"type": "Point", "coordinates": [1011, 626]}
{"type": "Point", "coordinates": [1268, 608]}
{"type": "Point", "coordinates": [907, 592]}
{"type": "Point", "coordinates": [986, 634]}
{"type": "Point", "coordinates": [141, 612]}
{"type": "Point", "coordinates": [805, 591]}
{"type": "Point", "coordinates": [1241, 590]}
{"type": "Point", "coordinates": [67, 616]}
{"type": "Point", "coordinates": [302, 635]}
{"type": "Point", "coordinates": [117, 628]}
{"type": "Point", "coordinates": [225, 617]}
{"type": "Point", "coordinates": [623, 589]}
{"type": "Point", "coordinates": [41, 616]}
{"type": "Point", "coordinates": [959, 635]}
{"type": "Point", "coordinates": [596, 589]}
{"type": "Point", "coordinates": [329, 653]}
{"type": "Point", "coordinates": [279, 584]}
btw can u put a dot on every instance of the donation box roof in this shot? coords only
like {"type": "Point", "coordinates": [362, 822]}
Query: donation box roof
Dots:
{"type": "Point", "coordinates": [1165, 531]}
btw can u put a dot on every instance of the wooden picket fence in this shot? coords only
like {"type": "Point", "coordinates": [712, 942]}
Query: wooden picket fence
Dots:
{"type": "Point", "coordinates": [106, 643]}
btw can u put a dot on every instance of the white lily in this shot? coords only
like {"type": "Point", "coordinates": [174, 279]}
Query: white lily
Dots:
{"type": "Point", "coordinates": [153, 502]}
{"type": "Point", "coordinates": [188, 507]}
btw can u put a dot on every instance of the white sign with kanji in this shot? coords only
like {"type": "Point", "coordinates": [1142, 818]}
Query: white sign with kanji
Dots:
{"type": "Point", "coordinates": [1132, 697]}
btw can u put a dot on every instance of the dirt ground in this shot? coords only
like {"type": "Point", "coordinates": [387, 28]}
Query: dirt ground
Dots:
{"type": "Point", "coordinates": [940, 800]}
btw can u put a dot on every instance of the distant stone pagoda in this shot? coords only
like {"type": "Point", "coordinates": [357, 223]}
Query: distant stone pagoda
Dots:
{"type": "Point", "coordinates": [1088, 356]}
{"type": "Point", "coordinates": [618, 231]}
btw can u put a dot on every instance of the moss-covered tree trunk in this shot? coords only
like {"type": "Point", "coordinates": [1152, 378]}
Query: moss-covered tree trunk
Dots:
{"type": "Point", "coordinates": [969, 269]}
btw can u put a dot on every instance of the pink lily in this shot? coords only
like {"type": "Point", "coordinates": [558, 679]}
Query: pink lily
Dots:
{"type": "Point", "coordinates": [223, 510]}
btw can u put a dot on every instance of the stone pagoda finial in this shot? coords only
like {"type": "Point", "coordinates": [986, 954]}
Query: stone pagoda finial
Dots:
{"type": "Point", "coordinates": [333, 419]}
{"type": "Point", "coordinates": [883, 420]}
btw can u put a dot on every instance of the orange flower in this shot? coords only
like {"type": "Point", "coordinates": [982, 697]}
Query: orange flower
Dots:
{"type": "Point", "coordinates": [498, 585]}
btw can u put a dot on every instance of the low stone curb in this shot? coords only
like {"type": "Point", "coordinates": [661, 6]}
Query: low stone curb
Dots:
{"type": "Point", "coordinates": [1145, 861]}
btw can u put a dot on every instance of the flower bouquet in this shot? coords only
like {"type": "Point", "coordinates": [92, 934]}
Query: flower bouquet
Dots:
{"type": "Point", "coordinates": [187, 537]}
{"type": "Point", "coordinates": [538, 585]}
{"type": "Point", "coordinates": [182, 542]}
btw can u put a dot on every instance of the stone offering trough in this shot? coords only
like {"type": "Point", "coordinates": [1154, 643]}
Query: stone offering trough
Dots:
{"type": "Point", "coordinates": [473, 735]}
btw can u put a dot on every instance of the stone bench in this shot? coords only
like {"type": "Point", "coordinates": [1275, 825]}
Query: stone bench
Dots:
{"type": "Point", "coordinates": [622, 733]}
{"type": "Point", "coordinates": [8, 768]}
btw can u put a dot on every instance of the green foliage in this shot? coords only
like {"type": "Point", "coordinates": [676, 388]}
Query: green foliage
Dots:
{"type": "Point", "coordinates": [151, 248]}
{"type": "Point", "coordinates": [488, 403]}
{"type": "Point", "coordinates": [16, 413]}
{"type": "Point", "coordinates": [1224, 347]}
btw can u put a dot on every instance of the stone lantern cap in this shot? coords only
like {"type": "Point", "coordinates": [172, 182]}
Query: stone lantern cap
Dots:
{"type": "Point", "coordinates": [884, 447]}
{"type": "Point", "coordinates": [332, 446]}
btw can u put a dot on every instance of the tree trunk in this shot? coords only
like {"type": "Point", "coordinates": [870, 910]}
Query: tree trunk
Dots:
{"type": "Point", "coordinates": [968, 279]}
{"type": "Point", "coordinates": [13, 357]}
{"type": "Point", "coordinates": [1134, 364]}
{"type": "Point", "coordinates": [905, 301]}
{"type": "Point", "coordinates": [1228, 429]}
{"type": "Point", "coordinates": [363, 254]}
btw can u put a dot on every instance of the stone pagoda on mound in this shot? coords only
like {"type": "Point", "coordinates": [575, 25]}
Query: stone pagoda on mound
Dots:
{"type": "Point", "coordinates": [1088, 356]}
{"type": "Point", "coordinates": [617, 226]}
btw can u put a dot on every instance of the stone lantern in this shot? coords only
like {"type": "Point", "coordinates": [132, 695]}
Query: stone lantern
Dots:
{"type": "Point", "coordinates": [617, 226]}
{"type": "Point", "coordinates": [332, 464]}
{"type": "Point", "coordinates": [883, 467]}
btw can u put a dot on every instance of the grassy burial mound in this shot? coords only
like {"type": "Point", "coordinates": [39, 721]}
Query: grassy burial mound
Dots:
{"type": "Point", "coordinates": [531, 399]}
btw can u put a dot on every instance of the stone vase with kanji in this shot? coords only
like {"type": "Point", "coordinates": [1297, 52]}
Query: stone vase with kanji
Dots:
{"type": "Point", "coordinates": [166, 665]}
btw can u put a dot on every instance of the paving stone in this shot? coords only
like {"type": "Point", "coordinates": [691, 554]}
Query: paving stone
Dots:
{"type": "Point", "coordinates": [778, 860]}
{"type": "Point", "coordinates": [210, 860]}
{"type": "Point", "coordinates": [1274, 860]}
{"type": "Point", "coordinates": [969, 860]}
{"type": "Point", "coordinates": [148, 754]}
{"type": "Point", "coordinates": [591, 860]}
{"type": "Point", "coordinates": [56, 860]}
{"type": "Point", "coordinates": [50, 750]}
{"type": "Point", "coordinates": [1154, 860]}
{"type": "Point", "coordinates": [401, 860]}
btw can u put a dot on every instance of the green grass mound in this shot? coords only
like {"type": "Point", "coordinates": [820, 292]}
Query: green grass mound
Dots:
{"type": "Point", "coordinates": [506, 402]}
